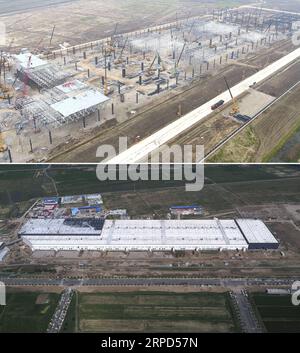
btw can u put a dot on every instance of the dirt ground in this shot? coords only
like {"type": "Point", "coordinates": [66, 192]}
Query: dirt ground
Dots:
{"type": "Point", "coordinates": [259, 141]}
{"type": "Point", "coordinates": [78, 21]}
{"type": "Point", "coordinates": [163, 112]}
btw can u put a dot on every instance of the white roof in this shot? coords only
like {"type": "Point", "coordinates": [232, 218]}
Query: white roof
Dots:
{"type": "Point", "coordinates": [255, 231]}
{"type": "Point", "coordinates": [35, 61]}
{"type": "Point", "coordinates": [146, 235]}
{"type": "Point", "coordinates": [55, 227]}
{"type": "Point", "coordinates": [3, 253]}
{"type": "Point", "coordinates": [79, 102]}
{"type": "Point", "coordinates": [195, 233]}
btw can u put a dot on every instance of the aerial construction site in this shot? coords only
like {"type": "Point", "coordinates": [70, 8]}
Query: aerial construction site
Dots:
{"type": "Point", "coordinates": [207, 79]}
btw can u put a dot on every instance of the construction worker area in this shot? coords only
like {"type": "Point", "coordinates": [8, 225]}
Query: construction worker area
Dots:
{"type": "Point", "coordinates": [52, 97]}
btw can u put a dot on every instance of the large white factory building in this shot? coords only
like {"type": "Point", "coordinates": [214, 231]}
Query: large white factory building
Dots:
{"type": "Point", "coordinates": [147, 235]}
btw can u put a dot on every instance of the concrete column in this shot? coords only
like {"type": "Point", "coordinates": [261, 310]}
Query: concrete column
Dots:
{"type": "Point", "coordinates": [9, 156]}
{"type": "Point", "coordinates": [30, 143]}
{"type": "Point", "coordinates": [50, 137]}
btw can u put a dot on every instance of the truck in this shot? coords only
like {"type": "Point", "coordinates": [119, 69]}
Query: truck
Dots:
{"type": "Point", "coordinates": [217, 105]}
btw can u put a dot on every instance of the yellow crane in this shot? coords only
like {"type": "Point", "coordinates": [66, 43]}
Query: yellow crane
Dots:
{"type": "Point", "coordinates": [235, 106]}
{"type": "Point", "coordinates": [3, 146]}
{"type": "Point", "coordinates": [6, 91]}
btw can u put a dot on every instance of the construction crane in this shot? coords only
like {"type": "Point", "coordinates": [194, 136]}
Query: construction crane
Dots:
{"type": "Point", "coordinates": [150, 70]}
{"type": "Point", "coordinates": [6, 91]}
{"type": "Point", "coordinates": [3, 147]}
{"type": "Point", "coordinates": [52, 34]}
{"type": "Point", "coordinates": [162, 64]}
{"type": "Point", "coordinates": [26, 78]}
{"type": "Point", "coordinates": [180, 56]}
{"type": "Point", "coordinates": [235, 107]}
{"type": "Point", "coordinates": [110, 45]}
{"type": "Point", "coordinates": [119, 60]}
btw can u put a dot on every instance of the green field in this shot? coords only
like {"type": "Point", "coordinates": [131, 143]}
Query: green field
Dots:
{"type": "Point", "coordinates": [154, 312]}
{"type": "Point", "coordinates": [23, 313]}
{"type": "Point", "coordinates": [277, 313]}
{"type": "Point", "coordinates": [236, 186]}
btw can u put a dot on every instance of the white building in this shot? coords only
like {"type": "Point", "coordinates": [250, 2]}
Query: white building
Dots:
{"type": "Point", "coordinates": [142, 235]}
{"type": "Point", "coordinates": [257, 234]}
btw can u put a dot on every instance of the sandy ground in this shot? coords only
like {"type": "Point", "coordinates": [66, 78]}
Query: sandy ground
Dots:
{"type": "Point", "coordinates": [78, 21]}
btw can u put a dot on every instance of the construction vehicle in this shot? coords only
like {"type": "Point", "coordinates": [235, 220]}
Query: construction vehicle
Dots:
{"type": "Point", "coordinates": [3, 147]}
{"type": "Point", "coordinates": [110, 44]}
{"type": "Point", "coordinates": [235, 107]}
{"type": "Point", "coordinates": [150, 70]}
{"type": "Point", "coordinates": [161, 63]}
{"type": "Point", "coordinates": [120, 60]}
{"type": "Point", "coordinates": [52, 34]}
{"type": "Point", "coordinates": [217, 105]}
{"type": "Point", "coordinates": [6, 91]}
{"type": "Point", "coordinates": [181, 53]}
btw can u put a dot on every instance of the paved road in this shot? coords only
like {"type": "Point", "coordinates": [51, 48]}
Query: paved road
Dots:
{"type": "Point", "coordinates": [271, 10]}
{"type": "Point", "coordinates": [229, 282]}
{"type": "Point", "coordinates": [60, 313]}
{"type": "Point", "coordinates": [246, 314]}
{"type": "Point", "coordinates": [141, 150]}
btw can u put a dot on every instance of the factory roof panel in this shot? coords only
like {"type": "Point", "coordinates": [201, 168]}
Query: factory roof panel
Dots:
{"type": "Point", "coordinates": [3, 253]}
{"type": "Point", "coordinates": [255, 231]}
{"type": "Point", "coordinates": [77, 103]}
{"type": "Point", "coordinates": [71, 86]}
{"type": "Point", "coordinates": [173, 232]}
{"type": "Point", "coordinates": [59, 227]}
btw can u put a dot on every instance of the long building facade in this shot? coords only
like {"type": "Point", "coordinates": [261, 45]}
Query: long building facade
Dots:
{"type": "Point", "coordinates": [147, 235]}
